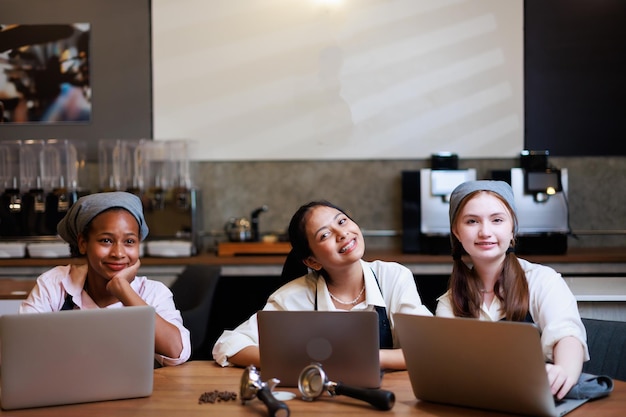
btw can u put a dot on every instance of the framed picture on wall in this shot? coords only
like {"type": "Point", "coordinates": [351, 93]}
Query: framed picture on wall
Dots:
{"type": "Point", "coordinates": [44, 73]}
{"type": "Point", "coordinates": [95, 53]}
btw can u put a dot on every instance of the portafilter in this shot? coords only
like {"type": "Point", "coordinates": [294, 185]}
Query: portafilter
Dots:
{"type": "Point", "coordinates": [252, 386]}
{"type": "Point", "coordinates": [313, 381]}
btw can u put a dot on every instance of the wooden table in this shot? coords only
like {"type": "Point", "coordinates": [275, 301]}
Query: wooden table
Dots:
{"type": "Point", "coordinates": [178, 389]}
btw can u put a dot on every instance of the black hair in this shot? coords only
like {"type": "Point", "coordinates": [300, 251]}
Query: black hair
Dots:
{"type": "Point", "coordinates": [300, 249]}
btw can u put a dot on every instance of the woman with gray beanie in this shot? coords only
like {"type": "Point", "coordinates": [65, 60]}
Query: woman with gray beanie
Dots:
{"type": "Point", "coordinates": [496, 285]}
{"type": "Point", "coordinates": [106, 230]}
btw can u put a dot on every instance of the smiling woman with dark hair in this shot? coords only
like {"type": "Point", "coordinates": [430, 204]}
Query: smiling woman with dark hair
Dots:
{"type": "Point", "coordinates": [330, 245]}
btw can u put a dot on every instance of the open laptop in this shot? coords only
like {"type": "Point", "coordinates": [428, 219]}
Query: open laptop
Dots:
{"type": "Point", "coordinates": [345, 344]}
{"type": "Point", "coordinates": [76, 356]}
{"type": "Point", "coordinates": [472, 363]}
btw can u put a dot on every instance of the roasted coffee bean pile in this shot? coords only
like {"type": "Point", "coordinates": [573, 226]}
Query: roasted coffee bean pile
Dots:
{"type": "Point", "coordinates": [217, 396]}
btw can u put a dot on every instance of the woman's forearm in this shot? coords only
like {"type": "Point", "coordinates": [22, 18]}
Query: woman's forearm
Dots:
{"type": "Point", "coordinates": [392, 359]}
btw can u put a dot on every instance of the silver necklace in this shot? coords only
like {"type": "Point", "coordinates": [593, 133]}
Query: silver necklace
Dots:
{"type": "Point", "coordinates": [353, 302]}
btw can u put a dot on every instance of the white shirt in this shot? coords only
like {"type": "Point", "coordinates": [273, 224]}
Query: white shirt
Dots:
{"type": "Point", "coordinates": [53, 285]}
{"type": "Point", "coordinates": [552, 307]}
{"type": "Point", "coordinates": [399, 294]}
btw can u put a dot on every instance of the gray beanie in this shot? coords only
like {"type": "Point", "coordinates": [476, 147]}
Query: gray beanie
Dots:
{"type": "Point", "coordinates": [501, 188]}
{"type": "Point", "coordinates": [89, 206]}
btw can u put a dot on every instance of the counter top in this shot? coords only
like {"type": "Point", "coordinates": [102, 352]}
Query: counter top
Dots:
{"type": "Point", "coordinates": [614, 255]}
{"type": "Point", "coordinates": [594, 274]}
{"type": "Point", "coordinates": [573, 255]}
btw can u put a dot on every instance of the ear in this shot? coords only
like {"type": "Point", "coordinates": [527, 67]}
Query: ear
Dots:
{"type": "Point", "coordinates": [82, 245]}
{"type": "Point", "coordinates": [312, 263]}
{"type": "Point", "coordinates": [454, 233]}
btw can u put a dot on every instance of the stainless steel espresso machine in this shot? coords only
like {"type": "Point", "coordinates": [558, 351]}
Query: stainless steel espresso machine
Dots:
{"type": "Point", "coordinates": [540, 192]}
{"type": "Point", "coordinates": [426, 202]}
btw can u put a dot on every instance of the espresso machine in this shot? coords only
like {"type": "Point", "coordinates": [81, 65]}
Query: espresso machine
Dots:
{"type": "Point", "coordinates": [159, 173]}
{"type": "Point", "coordinates": [540, 192]}
{"type": "Point", "coordinates": [426, 202]}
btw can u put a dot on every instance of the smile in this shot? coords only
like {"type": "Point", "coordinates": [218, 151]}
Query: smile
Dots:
{"type": "Point", "coordinates": [349, 246]}
{"type": "Point", "coordinates": [116, 267]}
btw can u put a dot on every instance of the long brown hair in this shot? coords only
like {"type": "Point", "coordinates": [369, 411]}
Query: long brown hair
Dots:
{"type": "Point", "coordinates": [511, 288]}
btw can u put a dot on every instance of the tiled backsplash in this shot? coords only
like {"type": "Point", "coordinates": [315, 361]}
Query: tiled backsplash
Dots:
{"type": "Point", "coordinates": [371, 192]}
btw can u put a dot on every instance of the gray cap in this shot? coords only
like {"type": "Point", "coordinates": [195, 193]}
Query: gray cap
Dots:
{"type": "Point", "coordinates": [501, 188]}
{"type": "Point", "coordinates": [89, 206]}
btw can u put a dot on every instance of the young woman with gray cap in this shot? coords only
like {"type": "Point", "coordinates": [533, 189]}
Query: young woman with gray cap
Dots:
{"type": "Point", "coordinates": [107, 229]}
{"type": "Point", "coordinates": [496, 285]}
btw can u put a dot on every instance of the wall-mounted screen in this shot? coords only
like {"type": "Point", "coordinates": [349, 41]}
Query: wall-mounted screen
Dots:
{"type": "Point", "coordinates": [575, 61]}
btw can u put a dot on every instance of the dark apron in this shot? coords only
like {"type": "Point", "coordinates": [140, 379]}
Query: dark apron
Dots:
{"type": "Point", "coordinates": [68, 304]}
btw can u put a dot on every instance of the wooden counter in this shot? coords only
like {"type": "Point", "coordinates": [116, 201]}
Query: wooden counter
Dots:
{"type": "Point", "coordinates": [573, 256]}
{"type": "Point", "coordinates": [593, 274]}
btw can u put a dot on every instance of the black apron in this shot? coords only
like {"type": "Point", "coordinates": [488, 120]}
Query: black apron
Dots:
{"type": "Point", "coordinates": [68, 304]}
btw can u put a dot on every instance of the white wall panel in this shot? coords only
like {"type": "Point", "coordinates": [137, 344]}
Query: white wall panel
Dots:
{"type": "Point", "coordinates": [342, 79]}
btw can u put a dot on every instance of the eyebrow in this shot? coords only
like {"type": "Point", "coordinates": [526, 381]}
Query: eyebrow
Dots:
{"type": "Point", "coordinates": [108, 233]}
{"type": "Point", "coordinates": [499, 213]}
{"type": "Point", "coordinates": [326, 226]}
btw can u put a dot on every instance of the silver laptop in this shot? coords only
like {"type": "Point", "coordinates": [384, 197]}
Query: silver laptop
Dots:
{"type": "Point", "coordinates": [76, 356]}
{"type": "Point", "coordinates": [345, 344]}
{"type": "Point", "coordinates": [489, 365]}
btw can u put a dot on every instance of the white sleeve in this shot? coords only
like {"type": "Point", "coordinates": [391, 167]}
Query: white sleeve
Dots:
{"type": "Point", "coordinates": [554, 309]}
{"type": "Point", "coordinates": [232, 341]}
{"type": "Point", "coordinates": [407, 297]}
{"type": "Point", "coordinates": [163, 302]}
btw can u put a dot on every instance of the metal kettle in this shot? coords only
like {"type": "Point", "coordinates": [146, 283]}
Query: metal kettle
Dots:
{"type": "Point", "coordinates": [240, 229]}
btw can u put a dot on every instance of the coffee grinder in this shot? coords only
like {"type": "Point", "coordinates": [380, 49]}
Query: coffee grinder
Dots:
{"type": "Point", "coordinates": [172, 204]}
{"type": "Point", "coordinates": [32, 218]}
{"type": "Point", "coordinates": [540, 192]}
{"type": "Point", "coordinates": [11, 197]}
{"type": "Point", "coordinates": [426, 202]}
{"type": "Point", "coordinates": [60, 163]}
{"type": "Point", "coordinates": [40, 180]}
